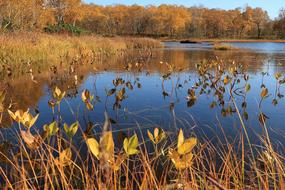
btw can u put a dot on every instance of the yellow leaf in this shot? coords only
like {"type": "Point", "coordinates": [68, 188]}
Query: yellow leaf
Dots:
{"type": "Point", "coordinates": [89, 106]}
{"type": "Point", "coordinates": [264, 93]}
{"type": "Point", "coordinates": [158, 135]}
{"type": "Point", "coordinates": [17, 116]}
{"type": "Point", "coordinates": [187, 146]}
{"type": "Point", "coordinates": [51, 129]}
{"type": "Point", "coordinates": [150, 136]}
{"type": "Point", "coordinates": [130, 145]}
{"type": "Point", "coordinates": [180, 162]}
{"type": "Point", "coordinates": [85, 96]}
{"type": "Point", "coordinates": [180, 138]}
{"type": "Point", "coordinates": [71, 131]}
{"type": "Point", "coordinates": [93, 146]}
{"type": "Point", "coordinates": [227, 79]}
{"type": "Point", "coordinates": [58, 94]}
{"type": "Point", "coordinates": [277, 75]}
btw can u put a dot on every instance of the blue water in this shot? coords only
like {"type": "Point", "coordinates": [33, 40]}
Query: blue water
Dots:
{"type": "Point", "coordinates": [147, 107]}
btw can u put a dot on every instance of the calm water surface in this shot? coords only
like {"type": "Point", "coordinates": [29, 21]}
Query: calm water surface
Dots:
{"type": "Point", "coordinates": [155, 101]}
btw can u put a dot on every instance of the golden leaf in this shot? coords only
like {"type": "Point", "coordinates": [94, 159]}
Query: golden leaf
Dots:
{"type": "Point", "coordinates": [187, 146]}
{"type": "Point", "coordinates": [264, 93]}
{"type": "Point", "coordinates": [93, 146]}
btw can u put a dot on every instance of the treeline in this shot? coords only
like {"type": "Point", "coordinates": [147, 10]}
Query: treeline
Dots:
{"type": "Point", "coordinates": [156, 21]}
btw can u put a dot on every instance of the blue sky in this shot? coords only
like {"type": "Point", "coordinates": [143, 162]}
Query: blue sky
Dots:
{"type": "Point", "coordinates": [272, 6]}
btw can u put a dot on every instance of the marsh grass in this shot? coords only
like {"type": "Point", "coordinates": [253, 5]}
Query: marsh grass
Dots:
{"type": "Point", "coordinates": [223, 47]}
{"type": "Point", "coordinates": [218, 162]}
{"type": "Point", "coordinates": [36, 52]}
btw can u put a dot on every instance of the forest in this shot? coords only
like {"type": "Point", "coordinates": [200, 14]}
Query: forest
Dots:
{"type": "Point", "coordinates": [172, 21]}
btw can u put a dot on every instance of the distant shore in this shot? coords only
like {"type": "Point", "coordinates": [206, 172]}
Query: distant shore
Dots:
{"type": "Point", "coordinates": [195, 40]}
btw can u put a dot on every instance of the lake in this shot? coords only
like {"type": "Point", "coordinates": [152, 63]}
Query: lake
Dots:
{"type": "Point", "coordinates": [156, 91]}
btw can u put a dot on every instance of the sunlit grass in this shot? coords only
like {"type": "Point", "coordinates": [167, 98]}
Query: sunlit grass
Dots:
{"type": "Point", "coordinates": [35, 52]}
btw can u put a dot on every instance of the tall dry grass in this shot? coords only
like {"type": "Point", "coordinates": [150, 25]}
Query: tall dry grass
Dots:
{"type": "Point", "coordinates": [21, 52]}
{"type": "Point", "coordinates": [222, 163]}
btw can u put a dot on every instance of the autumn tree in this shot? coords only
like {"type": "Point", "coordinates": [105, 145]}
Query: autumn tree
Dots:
{"type": "Point", "coordinates": [259, 19]}
{"type": "Point", "coordinates": [155, 21]}
{"type": "Point", "coordinates": [65, 11]}
{"type": "Point", "coordinates": [279, 24]}
{"type": "Point", "coordinates": [26, 15]}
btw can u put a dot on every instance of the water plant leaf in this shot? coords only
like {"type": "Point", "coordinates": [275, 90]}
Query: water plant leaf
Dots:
{"type": "Point", "coordinates": [227, 80]}
{"type": "Point", "coordinates": [87, 98]}
{"type": "Point", "coordinates": [180, 139]}
{"type": "Point", "coordinates": [129, 85]}
{"type": "Point", "coordinates": [51, 129]}
{"type": "Point", "coordinates": [262, 118]}
{"type": "Point", "coordinates": [71, 131]}
{"type": "Point", "coordinates": [157, 136]}
{"type": "Point", "coordinates": [131, 144]}
{"type": "Point", "coordinates": [274, 102]}
{"type": "Point", "coordinates": [247, 87]}
{"type": "Point", "coordinates": [58, 94]}
{"type": "Point", "coordinates": [121, 94]}
{"type": "Point", "coordinates": [264, 93]}
{"type": "Point", "coordinates": [180, 162]}
{"type": "Point", "coordinates": [28, 120]}
{"type": "Point", "coordinates": [111, 92]}
{"type": "Point", "coordinates": [191, 103]}
{"type": "Point", "coordinates": [93, 146]}
{"type": "Point", "coordinates": [17, 116]}
{"type": "Point", "coordinates": [245, 115]}
{"type": "Point", "coordinates": [277, 75]}
{"type": "Point", "coordinates": [187, 146]}
{"type": "Point", "coordinates": [23, 117]}
{"type": "Point", "coordinates": [191, 94]}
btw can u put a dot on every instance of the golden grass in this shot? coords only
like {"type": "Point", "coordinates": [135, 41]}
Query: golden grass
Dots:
{"type": "Point", "coordinates": [37, 51]}
{"type": "Point", "coordinates": [220, 163]}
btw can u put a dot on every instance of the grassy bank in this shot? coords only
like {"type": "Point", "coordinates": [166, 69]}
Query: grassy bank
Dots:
{"type": "Point", "coordinates": [33, 52]}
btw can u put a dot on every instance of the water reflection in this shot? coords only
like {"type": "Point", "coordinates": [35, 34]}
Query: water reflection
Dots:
{"type": "Point", "coordinates": [162, 88]}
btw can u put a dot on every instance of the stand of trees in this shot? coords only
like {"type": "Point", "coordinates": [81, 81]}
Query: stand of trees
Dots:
{"type": "Point", "coordinates": [156, 21]}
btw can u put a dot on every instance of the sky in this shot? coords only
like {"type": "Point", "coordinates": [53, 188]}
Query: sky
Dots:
{"type": "Point", "coordinates": [272, 6]}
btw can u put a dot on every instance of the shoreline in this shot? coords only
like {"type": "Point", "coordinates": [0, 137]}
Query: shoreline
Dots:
{"type": "Point", "coordinates": [195, 40]}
